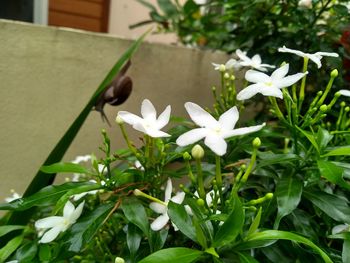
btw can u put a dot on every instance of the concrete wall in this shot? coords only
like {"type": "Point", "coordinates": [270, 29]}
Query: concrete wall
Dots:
{"type": "Point", "coordinates": [48, 74]}
{"type": "Point", "coordinates": [124, 13]}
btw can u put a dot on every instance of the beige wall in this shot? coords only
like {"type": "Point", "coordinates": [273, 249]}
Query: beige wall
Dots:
{"type": "Point", "coordinates": [48, 74]}
{"type": "Point", "coordinates": [124, 13]}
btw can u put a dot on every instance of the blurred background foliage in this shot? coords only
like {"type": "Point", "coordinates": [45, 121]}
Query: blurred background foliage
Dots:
{"type": "Point", "coordinates": [259, 26]}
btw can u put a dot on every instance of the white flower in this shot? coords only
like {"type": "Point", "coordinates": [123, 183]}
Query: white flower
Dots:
{"type": "Point", "coordinates": [230, 64]}
{"type": "Point", "coordinates": [163, 219]}
{"type": "Point", "coordinates": [344, 92]}
{"type": "Point", "coordinates": [58, 224]}
{"type": "Point", "coordinates": [200, 2]}
{"type": "Point", "coordinates": [13, 197]}
{"type": "Point", "coordinates": [149, 124]}
{"type": "Point", "coordinates": [268, 85]}
{"type": "Point", "coordinates": [305, 3]}
{"type": "Point", "coordinates": [254, 62]}
{"type": "Point", "coordinates": [80, 159]}
{"type": "Point", "coordinates": [316, 57]}
{"type": "Point", "coordinates": [139, 166]}
{"type": "Point", "coordinates": [215, 132]}
{"type": "Point", "coordinates": [340, 228]}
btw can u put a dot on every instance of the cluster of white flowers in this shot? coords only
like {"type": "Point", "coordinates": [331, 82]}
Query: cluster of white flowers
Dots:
{"type": "Point", "coordinates": [215, 132]}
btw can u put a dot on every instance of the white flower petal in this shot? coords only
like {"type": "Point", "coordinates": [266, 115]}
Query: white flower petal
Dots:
{"type": "Point", "coordinates": [256, 76]}
{"type": "Point", "coordinates": [76, 213]}
{"type": "Point", "coordinates": [340, 228]}
{"type": "Point", "coordinates": [271, 92]}
{"type": "Point", "coordinates": [50, 235]}
{"type": "Point", "coordinates": [327, 54]}
{"type": "Point", "coordinates": [289, 80]}
{"type": "Point", "coordinates": [153, 132]}
{"type": "Point", "coordinates": [315, 59]}
{"type": "Point", "coordinates": [178, 198]}
{"type": "Point", "coordinates": [68, 209]}
{"type": "Point", "coordinates": [164, 117]}
{"type": "Point", "coordinates": [148, 111]}
{"type": "Point", "coordinates": [191, 136]}
{"type": "Point", "coordinates": [229, 118]}
{"type": "Point", "coordinates": [249, 91]}
{"type": "Point", "coordinates": [168, 190]}
{"type": "Point", "coordinates": [200, 116]}
{"type": "Point", "coordinates": [242, 131]}
{"type": "Point", "coordinates": [256, 59]}
{"type": "Point", "coordinates": [345, 92]}
{"type": "Point", "coordinates": [159, 222]}
{"type": "Point", "coordinates": [216, 143]}
{"type": "Point", "coordinates": [158, 208]}
{"type": "Point", "coordinates": [129, 118]}
{"type": "Point", "coordinates": [49, 222]}
{"type": "Point", "coordinates": [280, 72]}
{"type": "Point", "coordinates": [293, 51]}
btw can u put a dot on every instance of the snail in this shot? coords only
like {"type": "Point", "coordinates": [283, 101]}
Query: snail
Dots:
{"type": "Point", "coordinates": [116, 93]}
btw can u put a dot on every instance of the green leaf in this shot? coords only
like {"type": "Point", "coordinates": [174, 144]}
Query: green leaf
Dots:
{"type": "Point", "coordinates": [332, 173]}
{"type": "Point", "coordinates": [64, 168]}
{"type": "Point", "coordinates": [200, 236]}
{"type": "Point", "coordinates": [323, 138]}
{"type": "Point", "coordinates": [133, 239]}
{"type": "Point", "coordinates": [10, 247]}
{"type": "Point", "coordinates": [338, 151]}
{"type": "Point", "coordinates": [84, 230]}
{"type": "Point", "coordinates": [45, 253]}
{"type": "Point", "coordinates": [334, 206]}
{"type": "Point", "coordinates": [288, 194]}
{"type": "Point", "coordinates": [167, 7]}
{"type": "Point", "coordinates": [346, 251]}
{"type": "Point", "coordinates": [9, 228]}
{"type": "Point", "coordinates": [182, 220]}
{"type": "Point", "coordinates": [42, 179]}
{"type": "Point", "coordinates": [173, 255]}
{"type": "Point", "coordinates": [27, 252]}
{"type": "Point", "coordinates": [77, 190]}
{"type": "Point", "coordinates": [255, 224]}
{"type": "Point", "coordinates": [246, 258]}
{"type": "Point", "coordinates": [136, 213]}
{"type": "Point", "coordinates": [284, 235]}
{"type": "Point", "coordinates": [231, 227]}
{"type": "Point", "coordinates": [271, 158]}
{"type": "Point", "coordinates": [45, 197]}
{"type": "Point", "coordinates": [311, 139]}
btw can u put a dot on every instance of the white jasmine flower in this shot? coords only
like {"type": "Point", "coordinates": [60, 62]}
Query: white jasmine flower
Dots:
{"type": "Point", "coordinates": [268, 85]}
{"type": "Point", "coordinates": [58, 224]}
{"type": "Point", "coordinates": [215, 132]}
{"type": "Point", "coordinates": [230, 64]}
{"type": "Point", "coordinates": [305, 3]}
{"type": "Point", "coordinates": [139, 166]}
{"type": "Point", "coordinates": [148, 124]}
{"type": "Point", "coordinates": [316, 57]}
{"type": "Point", "coordinates": [344, 92]}
{"type": "Point", "coordinates": [163, 219]}
{"type": "Point", "coordinates": [254, 62]}
{"type": "Point", "coordinates": [340, 228]}
{"type": "Point", "coordinates": [83, 158]}
{"type": "Point", "coordinates": [13, 197]}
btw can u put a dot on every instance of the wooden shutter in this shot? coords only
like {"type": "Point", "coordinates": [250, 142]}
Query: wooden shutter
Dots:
{"type": "Point", "coordinates": [90, 15]}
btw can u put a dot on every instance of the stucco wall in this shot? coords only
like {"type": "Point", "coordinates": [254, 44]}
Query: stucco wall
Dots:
{"type": "Point", "coordinates": [48, 74]}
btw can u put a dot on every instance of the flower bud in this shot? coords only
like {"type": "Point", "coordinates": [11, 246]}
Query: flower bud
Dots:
{"type": "Point", "coordinates": [186, 156]}
{"type": "Point", "coordinates": [269, 196]}
{"type": "Point", "coordinates": [320, 93]}
{"type": "Point", "coordinates": [342, 104]}
{"type": "Point", "coordinates": [200, 202]}
{"type": "Point", "coordinates": [213, 88]}
{"type": "Point", "coordinates": [222, 68]}
{"type": "Point", "coordinates": [243, 167]}
{"type": "Point", "coordinates": [197, 152]}
{"type": "Point", "coordinates": [337, 94]}
{"type": "Point", "coordinates": [119, 120]}
{"type": "Point", "coordinates": [232, 77]}
{"type": "Point", "coordinates": [137, 192]}
{"type": "Point", "coordinates": [334, 73]}
{"type": "Point", "coordinates": [256, 142]}
{"type": "Point", "coordinates": [119, 260]}
{"type": "Point", "coordinates": [347, 109]}
{"type": "Point", "coordinates": [323, 108]}
{"type": "Point", "coordinates": [226, 75]}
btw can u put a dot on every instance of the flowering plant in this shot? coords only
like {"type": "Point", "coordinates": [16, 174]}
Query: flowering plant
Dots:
{"type": "Point", "coordinates": [242, 194]}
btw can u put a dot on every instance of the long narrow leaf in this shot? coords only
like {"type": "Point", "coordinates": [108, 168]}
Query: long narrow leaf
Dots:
{"type": "Point", "coordinates": [43, 179]}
